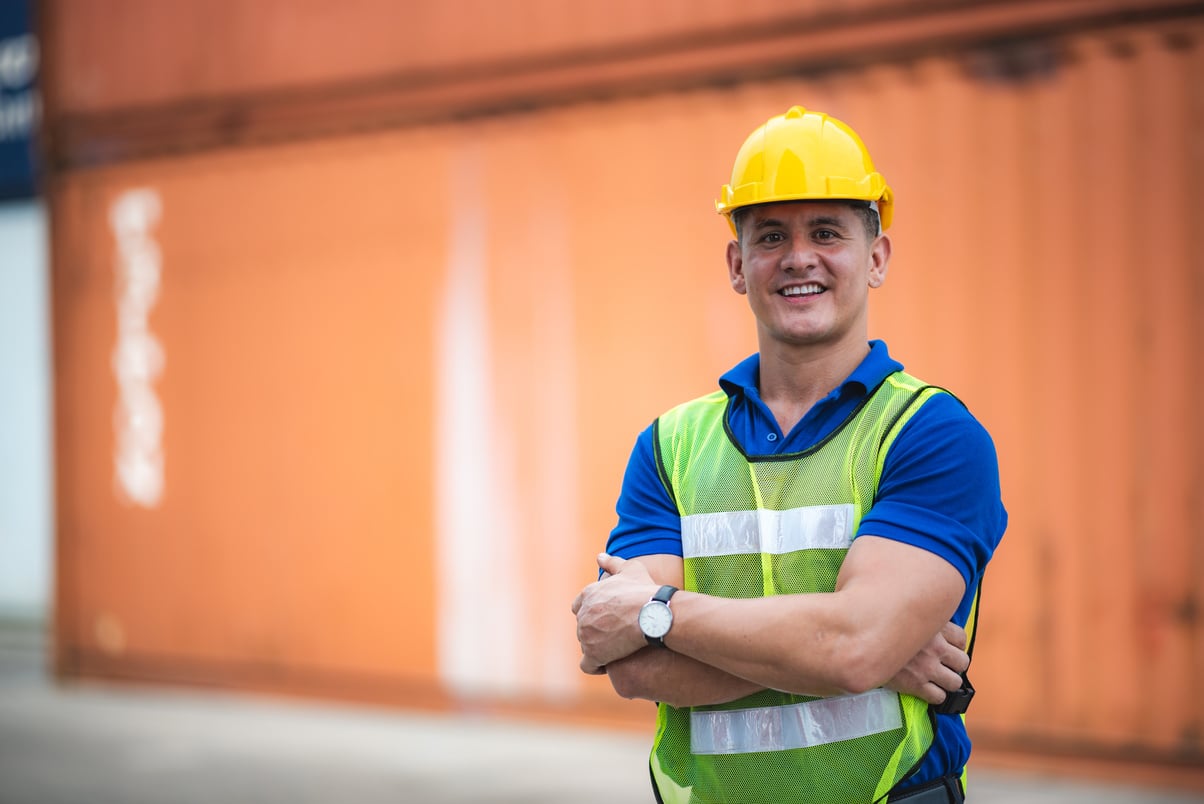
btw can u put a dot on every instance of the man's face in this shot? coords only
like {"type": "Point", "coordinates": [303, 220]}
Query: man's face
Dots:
{"type": "Point", "coordinates": [807, 267]}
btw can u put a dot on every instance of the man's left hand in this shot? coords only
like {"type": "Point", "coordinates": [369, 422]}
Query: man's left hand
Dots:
{"type": "Point", "coordinates": [936, 669]}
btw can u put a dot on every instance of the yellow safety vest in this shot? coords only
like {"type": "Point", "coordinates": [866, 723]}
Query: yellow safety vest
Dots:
{"type": "Point", "coordinates": [776, 525]}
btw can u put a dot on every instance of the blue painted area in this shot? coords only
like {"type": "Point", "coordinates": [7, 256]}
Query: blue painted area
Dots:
{"type": "Point", "coordinates": [20, 100]}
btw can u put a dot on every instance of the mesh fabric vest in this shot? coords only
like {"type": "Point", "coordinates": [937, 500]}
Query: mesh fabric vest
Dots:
{"type": "Point", "coordinates": [782, 525]}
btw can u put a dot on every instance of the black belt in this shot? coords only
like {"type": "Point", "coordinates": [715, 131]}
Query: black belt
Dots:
{"type": "Point", "coordinates": [945, 790]}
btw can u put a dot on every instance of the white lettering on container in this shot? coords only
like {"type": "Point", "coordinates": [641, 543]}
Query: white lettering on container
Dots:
{"type": "Point", "coordinates": [19, 57]}
{"type": "Point", "coordinates": [20, 104]}
{"type": "Point", "coordinates": [138, 357]}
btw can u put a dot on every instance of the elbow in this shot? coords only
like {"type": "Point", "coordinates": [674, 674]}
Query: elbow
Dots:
{"type": "Point", "coordinates": [855, 682]}
{"type": "Point", "coordinates": [863, 667]}
{"type": "Point", "coordinates": [629, 679]}
{"type": "Point", "coordinates": [637, 679]}
{"type": "Point", "coordinates": [621, 679]}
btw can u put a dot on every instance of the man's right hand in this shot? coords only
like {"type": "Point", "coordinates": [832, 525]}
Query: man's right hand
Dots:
{"type": "Point", "coordinates": [937, 668]}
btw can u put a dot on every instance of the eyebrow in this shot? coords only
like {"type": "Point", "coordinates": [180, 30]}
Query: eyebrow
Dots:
{"type": "Point", "coordinates": [825, 220]}
{"type": "Point", "coordinates": [813, 221]}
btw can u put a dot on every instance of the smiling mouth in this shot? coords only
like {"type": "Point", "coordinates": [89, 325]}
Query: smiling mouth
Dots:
{"type": "Point", "coordinates": [797, 291]}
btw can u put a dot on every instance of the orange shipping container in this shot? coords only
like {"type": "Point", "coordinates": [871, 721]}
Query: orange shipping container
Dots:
{"type": "Point", "coordinates": [347, 413]}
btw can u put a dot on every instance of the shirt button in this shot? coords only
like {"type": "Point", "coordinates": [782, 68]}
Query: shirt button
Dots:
{"type": "Point", "coordinates": [772, 436]}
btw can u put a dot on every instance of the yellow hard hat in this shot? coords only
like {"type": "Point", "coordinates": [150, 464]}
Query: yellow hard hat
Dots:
{"type": "Point", "coordinates": [803, 155]}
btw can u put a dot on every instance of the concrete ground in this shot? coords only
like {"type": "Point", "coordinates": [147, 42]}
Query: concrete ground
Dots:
{"type": "Point", "coordinates": [101, 744]}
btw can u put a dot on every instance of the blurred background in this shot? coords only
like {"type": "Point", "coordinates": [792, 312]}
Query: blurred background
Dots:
{"type": "Point", "coordinates": [326, 329]}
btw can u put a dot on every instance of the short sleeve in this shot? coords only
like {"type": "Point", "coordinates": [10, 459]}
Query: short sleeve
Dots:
{"type": "Point", "coordinates": [649, 523]}
{"type": "Point", "coordinates": [939, 490]}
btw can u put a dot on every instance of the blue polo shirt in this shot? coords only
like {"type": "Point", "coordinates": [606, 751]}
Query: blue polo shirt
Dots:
{"type": "Point", "coordinates": [939, 491]}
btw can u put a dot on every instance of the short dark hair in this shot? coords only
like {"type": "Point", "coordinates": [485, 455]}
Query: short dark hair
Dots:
{"type": "Point", "coordinates": [869, 217]}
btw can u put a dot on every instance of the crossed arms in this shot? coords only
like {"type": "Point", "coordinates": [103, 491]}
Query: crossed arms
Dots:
{"type": "Point", "coordinates": [886, 624]}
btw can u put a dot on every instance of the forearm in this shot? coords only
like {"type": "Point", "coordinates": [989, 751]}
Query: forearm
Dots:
{"type": "Point", "coordinates": [655, 674]}
{"type": "Point", "coordinates": [783, 642]}
{"type": "Point", "coordinates": [761, 642]}
{"type": "Point", "coordinates": [888, 603]}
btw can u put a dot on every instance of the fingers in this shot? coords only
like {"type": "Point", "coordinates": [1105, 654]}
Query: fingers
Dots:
{"type": "Point", "coordinates": [610, 564]}
{"type": "Point", "coordinates": [955, 635]}
{"type": "Point", "coordinates": [947, 679]}
{"type": "Point", "coordinates": [947, 665]}
{"type": "Point", "coordinates": [953, 654]}
{"type": "Point", "coordinates": [591, 669]}
{"type": "Point", "coordinates": [956, 660]}
{"type": "Point", "coordinates": [932, 694]}
{"type": "Point", "coordinates": [940, 683]}
{"type": "Point", "coordinates": [936, 668]}
{"type": "Point", "coordinates": [605, 612]}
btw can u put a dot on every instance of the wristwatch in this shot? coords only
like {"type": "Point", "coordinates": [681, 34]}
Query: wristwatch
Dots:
{"type": "Point", "coordinates": [656, 618]}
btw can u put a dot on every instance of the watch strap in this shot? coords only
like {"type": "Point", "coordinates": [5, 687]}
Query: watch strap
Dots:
{"type": "Point", "coordinates": [664, 593]}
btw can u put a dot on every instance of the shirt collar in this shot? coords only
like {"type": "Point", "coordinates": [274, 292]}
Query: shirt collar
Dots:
{"type": "Point", "coordinates": [869, 374]}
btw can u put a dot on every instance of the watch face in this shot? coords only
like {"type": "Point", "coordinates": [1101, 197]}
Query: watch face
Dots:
{"type": "Point", "coordinates": [655, 619]}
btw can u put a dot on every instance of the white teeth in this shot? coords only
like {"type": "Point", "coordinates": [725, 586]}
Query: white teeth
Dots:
{"type": "Point", "coordinates": [802, 290]}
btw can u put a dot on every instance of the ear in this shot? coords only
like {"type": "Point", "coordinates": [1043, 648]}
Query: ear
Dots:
{"type": "Point", "coordinates": [735, 268]}
{"type": "Point", "coordinates": [879, 260]}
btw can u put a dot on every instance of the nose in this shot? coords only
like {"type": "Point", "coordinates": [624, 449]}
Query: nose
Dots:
{"type": "Point", "coordinates": [800, 256]}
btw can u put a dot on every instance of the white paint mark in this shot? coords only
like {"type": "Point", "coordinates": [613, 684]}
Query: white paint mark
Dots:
{"type": "Point", "coordinates": [138, 356]}
{"type": "Point", "coordinates": [480, 622]}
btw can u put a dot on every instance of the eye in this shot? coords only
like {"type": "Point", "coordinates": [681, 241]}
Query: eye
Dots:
{"type": "Point", "coordinates": [826, 235]}
{"type": "Point", "coordinates": [772, 237]}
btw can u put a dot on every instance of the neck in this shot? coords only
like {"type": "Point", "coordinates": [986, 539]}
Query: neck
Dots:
{"type": "Point", "coordinates": [792, 381]}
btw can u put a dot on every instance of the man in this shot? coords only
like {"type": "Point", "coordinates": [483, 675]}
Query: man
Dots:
{"type": "Point", "coordinates": [824, 514]}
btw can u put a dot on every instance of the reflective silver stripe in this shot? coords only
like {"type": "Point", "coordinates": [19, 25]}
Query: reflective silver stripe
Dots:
{"type": "Point", "coordinates": [781, 728]}
{"type": "Point", "coordinates": [764, 531]}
